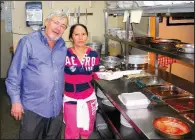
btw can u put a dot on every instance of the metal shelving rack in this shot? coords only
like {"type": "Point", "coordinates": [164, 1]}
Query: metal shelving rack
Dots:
{"type": "Point", "coordinates": [147, 11]}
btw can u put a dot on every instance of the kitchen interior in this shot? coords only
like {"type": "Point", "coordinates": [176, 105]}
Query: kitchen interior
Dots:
{"type": "Point", "coordinates": [147, 62]}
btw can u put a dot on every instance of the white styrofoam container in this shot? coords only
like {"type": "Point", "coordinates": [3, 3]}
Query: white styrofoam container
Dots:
{"type": "Point", "coordinates": [100, 94]}
{"type": "Point", "coordinates": [134, 100]}
{"type": "Point", "coordinates": [124, 122]}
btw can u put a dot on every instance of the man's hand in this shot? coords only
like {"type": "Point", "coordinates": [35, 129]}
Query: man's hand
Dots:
{"type": "Point", "coordinates": [17, 111]}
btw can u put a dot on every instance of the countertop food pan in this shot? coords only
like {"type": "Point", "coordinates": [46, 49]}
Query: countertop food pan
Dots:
{"type": "Point", "coordinates": [181, 104]}
{"type": "Point", "coordinates": [150, 81]}
{"type": "Point", "coordinates": [171, 127]}
{"type": "Point", "coordinates": [168, 91]}
{"type": "Point", "coordinates": [189, 116]}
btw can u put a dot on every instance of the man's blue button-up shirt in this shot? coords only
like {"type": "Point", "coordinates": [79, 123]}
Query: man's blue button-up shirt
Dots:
{"type": "Point", "coordinates": [36, 75]}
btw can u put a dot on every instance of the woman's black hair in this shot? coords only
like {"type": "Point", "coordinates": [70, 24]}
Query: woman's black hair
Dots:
{"type": "Point", "coordinates": [74, 26]}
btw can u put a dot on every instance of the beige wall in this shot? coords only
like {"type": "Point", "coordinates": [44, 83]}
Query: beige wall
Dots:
{"type": "Point", "coordinates": [95, 22]}
{"type": "Point", "coordinates": [6, 42]}
{"type": "Point", "coordinates": [185, 34]}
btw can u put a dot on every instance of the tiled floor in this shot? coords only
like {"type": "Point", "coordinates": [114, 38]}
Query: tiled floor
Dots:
{"type": "Point", "coordinates": [9, 126]}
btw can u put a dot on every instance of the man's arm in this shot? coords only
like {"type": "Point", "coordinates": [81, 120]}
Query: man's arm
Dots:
{"type": "Point", "coordinates": [13, 81]}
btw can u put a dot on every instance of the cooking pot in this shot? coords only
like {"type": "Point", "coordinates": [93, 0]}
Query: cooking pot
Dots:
{"type": "Point", "coordinates": [138, 59]}
{"type": "Point", "coordinates": [111, 62]}
{"type": "Point", "coordinates": [96, 46]}
{"type": "Point", "coordinates": [186, 48]}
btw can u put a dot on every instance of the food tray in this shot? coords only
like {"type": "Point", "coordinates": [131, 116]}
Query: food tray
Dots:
{"type": "Point", "coordinates": [150, 81]}
{"type": "Point", "coordinates": [168, 91]}
{"type": "Point", "coordinates": [171, 127]}
{"type": "Point", "coordinates": [181, 104]}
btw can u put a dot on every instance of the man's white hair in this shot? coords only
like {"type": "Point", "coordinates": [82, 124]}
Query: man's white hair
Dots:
{"type": "Point", "coordinates": [58, 13]}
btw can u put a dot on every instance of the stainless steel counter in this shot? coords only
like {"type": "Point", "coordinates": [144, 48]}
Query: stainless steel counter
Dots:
{"type": "Point", "coordinates": [140, 119]}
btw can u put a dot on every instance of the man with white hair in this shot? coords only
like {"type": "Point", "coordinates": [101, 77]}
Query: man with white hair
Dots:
{"type": "Point", "coordinates": [35, 81]}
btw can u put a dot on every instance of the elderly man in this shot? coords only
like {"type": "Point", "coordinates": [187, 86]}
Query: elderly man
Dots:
{"type": "Point", "coordinates": [35, 81]}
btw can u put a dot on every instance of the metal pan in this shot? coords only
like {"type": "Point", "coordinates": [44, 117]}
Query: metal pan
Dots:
{"type": "Point", "coordinates": [185, 48]}
{"type": "Point", "coordinates": [145, 65]}
{"type": "Point", "coordinates": [164, 46]}
{"type": "Point", "coordinates": [171, 127]}
{"type": "Point", "coordinates": [189, 116]}
{"type": "Point", "coordinates": [150, 81]}
{"type": "Point", "coordinates": [181, 104]}
{"type": "Point", "coordinates": [111, 62]}
{"type": "Point", "coordinates": [168, 91]}
{"type": "Point", "coordinates": [172, 41]}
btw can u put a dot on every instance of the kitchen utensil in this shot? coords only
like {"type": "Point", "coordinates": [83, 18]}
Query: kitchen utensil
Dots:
{"type": "Point", "coordinates": [138, 59]}
{"type": "Point", "coordinates": [185, 48]}
{"type": "Point", "coordinates": [181, 104]}
{"type": "Point", "coordinates": [150, 81]}
{"type": "Point", "coordinates": [145, 65]}
{"type": "Point", "coordinates": [75, 16]}
{"type": "Point", "coordinates": [69, 17]}
{"type": "Point", "coordinates": [168, 91]}
{"type": "Point", "coordinates": [86, 17]}
{"type": "Point", "coordinates": [96, 46]}
{"type": "Point", "coordinates": [160, 40]}
{"type": "Point", "coordinates": [155, 99]}
{"type": "Point", "coordinates": [171, 127]}
{"type": "Point", "coordinates": [78, 15]}
{"type": "Point", "coordinates": [111, 61]}
{"type": "Point", "coordinates": [67, 11]}
{"type": "Point", "coordinates": [165, 44]}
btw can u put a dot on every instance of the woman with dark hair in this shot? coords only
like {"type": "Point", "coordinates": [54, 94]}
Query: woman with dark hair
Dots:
{"type": "Point", "coordinates": [80, 102]}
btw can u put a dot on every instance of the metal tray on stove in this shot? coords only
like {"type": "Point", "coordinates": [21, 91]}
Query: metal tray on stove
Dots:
{"type": "Point", "coordinates": [167, 91]}
{"type": "Point", "coordinates": [150, 81]}
{"type": "Point", "coordinates": [181, 104]}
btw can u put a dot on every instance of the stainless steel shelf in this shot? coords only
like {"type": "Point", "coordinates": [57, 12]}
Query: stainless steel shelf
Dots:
{"type": "Point", "coordinates": [154, 10]}
{"type": "Point", "coordinates": [187, 58]}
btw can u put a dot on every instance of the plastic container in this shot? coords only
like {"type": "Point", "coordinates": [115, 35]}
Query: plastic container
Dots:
{"type": "Point", "coordinates": [124, 122]}
{"type": "Point", "coordinates": [134, 100]}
